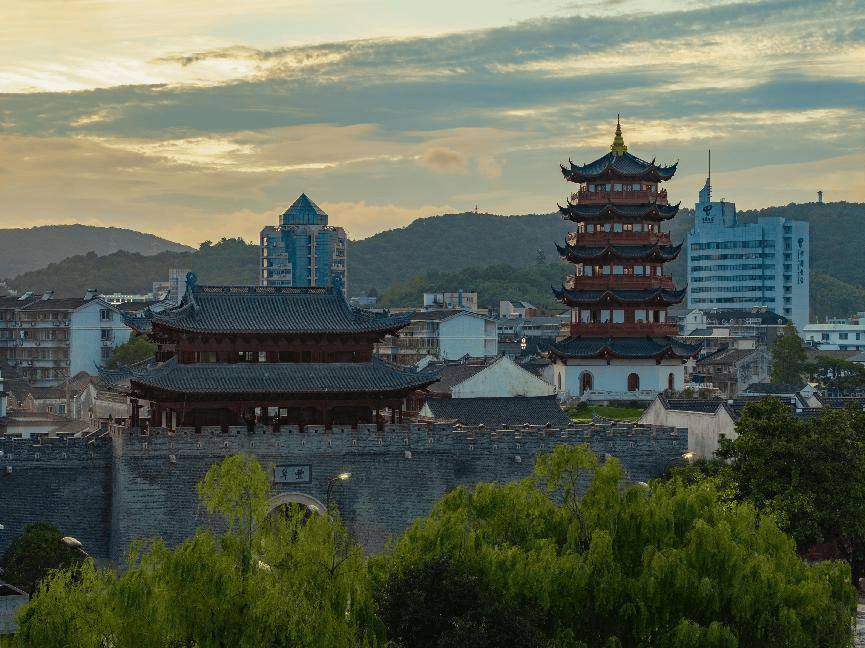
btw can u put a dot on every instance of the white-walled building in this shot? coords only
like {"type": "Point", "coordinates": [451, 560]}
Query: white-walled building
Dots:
{"type": "Point", "coordinates": [738, 265]}
{"type": "Point", "coordinates": [843, 335]}
{"type": "Point", "coordinates": [49, 339]}
{"type": "Point", "coordinates": [443, 334]}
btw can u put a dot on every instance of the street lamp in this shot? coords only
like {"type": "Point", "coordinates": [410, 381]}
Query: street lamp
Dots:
{"type": "Point", "coordinates": [75, 543]}
{"type": "Point", "coordinates": [343, 476]}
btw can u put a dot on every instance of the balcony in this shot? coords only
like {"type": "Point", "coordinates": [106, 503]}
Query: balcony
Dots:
{"type": "Point", "coordinates": [585, 197]}
{"type": "Point", "coordinates": [625, 329]}
{"type": "Point", "coordinates": [619, 282]}
{"type": "Point", "coordinates": [594, 239]}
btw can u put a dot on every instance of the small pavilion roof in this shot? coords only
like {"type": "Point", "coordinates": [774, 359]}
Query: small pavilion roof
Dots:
{"type": "Point", "coordinates": [652, 296]}
{"type": "Point", "coordinates": [611, 347]}
{"type": "Point", "coordinates": [282, 378]}
{"type": "Point", "coordinates": [581, 253]}
{"type": "Point", "coordinates": [653, 211]}
{"type": "Point", "coordinates": [271, 309]}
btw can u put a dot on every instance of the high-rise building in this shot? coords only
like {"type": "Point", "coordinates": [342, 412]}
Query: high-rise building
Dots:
{"type": "Point", "coordinates": [303, 250]}
{"type": "Point", "coordinates": [619, 343]}
{"type": "Point", "coordinates": [743, 265]}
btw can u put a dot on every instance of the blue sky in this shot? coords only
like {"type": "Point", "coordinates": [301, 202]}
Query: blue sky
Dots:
{"type": "Point", "coordinates": [205, 119]}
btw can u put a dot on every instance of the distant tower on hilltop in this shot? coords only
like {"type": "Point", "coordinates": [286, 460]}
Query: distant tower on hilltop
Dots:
{"type": "Point", "coordinates": [820, 197]}
{"type": "Point", "coordinates": [619, 343]}
{"type": "Point", "coordinates": [303, 250]}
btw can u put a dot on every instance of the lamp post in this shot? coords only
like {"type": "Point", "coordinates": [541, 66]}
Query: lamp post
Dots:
{"type": "Point", "coordinates": [75, 543]}
{"type": "Point", "coordinates": [343, 476]}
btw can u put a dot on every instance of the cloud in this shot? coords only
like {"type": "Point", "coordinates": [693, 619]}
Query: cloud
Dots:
{"type": "Point", "coordinates": [442, 160]}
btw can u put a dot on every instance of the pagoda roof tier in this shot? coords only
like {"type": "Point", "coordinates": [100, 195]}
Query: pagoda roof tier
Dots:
{"type": "Point", "coordinates": [618, 165]}
{"type": "Point", "coordinates": [587, 253]}
{"type": "Point", "coordinates": [602, 211]}
{"type": "Point", "coordinates": [624, 348]}
{"type": "Point", "coordinates": [375, 376]}
{"type": "Point", "coordinates": [272, 310]}
{"type": "Point", "coordinates": [648, 297]}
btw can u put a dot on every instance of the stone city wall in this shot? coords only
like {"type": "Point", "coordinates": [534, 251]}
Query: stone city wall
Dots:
{"type": "Point", "coordinates": [127, 485]}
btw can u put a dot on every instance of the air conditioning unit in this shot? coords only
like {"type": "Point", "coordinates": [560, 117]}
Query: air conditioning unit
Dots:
{"type": "Point", "coordinates": [55, 323]}
{"type": "Point", "coordinates": [29, 363]}
{"type": "Point", "coordinates": [38, 343]}
{"type": "Point", "coordinates": [33, 323]}
{"type": "Point", "coordinates": [66, 343]}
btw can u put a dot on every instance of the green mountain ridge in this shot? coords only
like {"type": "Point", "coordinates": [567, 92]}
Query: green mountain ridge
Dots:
{"type": "Point", "coordinates": [468, 251]}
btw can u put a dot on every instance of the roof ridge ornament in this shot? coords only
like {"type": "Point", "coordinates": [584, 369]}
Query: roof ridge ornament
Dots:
{"type": "Point", "coordinates": [618, 147]}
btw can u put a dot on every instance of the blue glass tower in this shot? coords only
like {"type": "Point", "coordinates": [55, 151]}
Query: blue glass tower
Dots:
{"type": "Point", "coordinates": [303, 250]}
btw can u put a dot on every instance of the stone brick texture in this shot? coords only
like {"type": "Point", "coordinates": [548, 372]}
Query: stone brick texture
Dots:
{"type": "Point", "coordinates": [122, 485]}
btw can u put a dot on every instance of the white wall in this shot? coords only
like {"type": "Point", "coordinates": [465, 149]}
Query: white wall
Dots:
{"type": "Point", "coordinates": [613, 378]}
{"type": "Point", "coordinates": [467, 334]}
{"type": "Point", "coordinates": [85, 334]}
{"type": "Point", "coordinates": [503, 378]}
{"type": "Point", "coordinates": [704, 430]}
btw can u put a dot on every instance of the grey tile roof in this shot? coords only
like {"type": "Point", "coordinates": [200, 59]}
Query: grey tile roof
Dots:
{"type": "Point", "coordinates": [623, 348]}
{"type": "Point", "coordinates": [269, 309]}
{"type": "Point", "coordinates": [453, 374]}
{"type": "Point", "coordinates": [612, 165]}
{"type": "Point", "coordinates": [493, 412]}
{"type": "Point", "coordinates": [656, 296]}
{"type": "Point", "coordinates": [645, 210]}
{"type": "Point", "coordinates": [773, 388]}
{"type": "Point", "coordinates": [651, 252]}
{"type": "Point", "coordinates": [282, 378]}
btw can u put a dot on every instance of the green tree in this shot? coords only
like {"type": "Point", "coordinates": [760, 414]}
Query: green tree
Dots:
{"type": "Point", "coordinates": [836, 373]}
{"type": "Point", "coordinates": [36, 552]}
{"type": "Point", "coordinates": [136, 349]}
{"type": "Point", "coordinates": [789, 360]}
{"type": "Point", "coordinates": [287, 579]}
{"type": "Point", "coordinates": [809, 473]}
{"type": "Point", "coordinates": [588, 560]}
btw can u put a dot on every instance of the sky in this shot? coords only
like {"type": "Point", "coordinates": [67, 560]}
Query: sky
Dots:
{"type": "Point", "coordinates": [207, 118]}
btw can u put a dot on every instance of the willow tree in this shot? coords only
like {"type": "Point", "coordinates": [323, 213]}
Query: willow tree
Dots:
{"type": "Point", "coordinates": [292, 579]}
{"type": "Point", "coordinates": [577, 557]}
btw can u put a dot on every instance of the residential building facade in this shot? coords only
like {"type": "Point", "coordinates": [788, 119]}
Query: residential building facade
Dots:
{"type": "Point", "coordinates": [303, 250]}
{"type": "Point", "coordinates": [742, 265]}
{"type": "Point", "coordinates": [443, 334]}
{"type": "Point", "coordinates": [837, 334]}
{"type": "Point", "coordinates": [49, 339]}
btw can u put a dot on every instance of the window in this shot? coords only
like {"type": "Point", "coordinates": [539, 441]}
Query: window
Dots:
{"type": "Point", "coordinates": [106, 334]}
{"type": "Point", "coordinates": [106, 352]}
{"type": "Point", "coordinates": [633, 382]}
{"type": "Point", "coordinates": [605, 316]}
{"type": "Point", "coordinates": [105, 315]}
{"type": "Point", "coordinates": [618, 316]}
{"type": "Point", "coordinates": [842, 336]}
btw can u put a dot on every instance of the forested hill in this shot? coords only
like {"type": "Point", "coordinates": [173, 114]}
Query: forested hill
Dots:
{"type": "Point", "coordinates": [449, 244]}
{"type": "Point", "coordinates": [23, 250]}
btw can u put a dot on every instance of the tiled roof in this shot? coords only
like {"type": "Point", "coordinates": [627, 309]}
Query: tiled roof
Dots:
{"type": "Point", "coordinates": [741, 315]}
{"type": "Point", "coordinates": [269, 309]}
{"type": "Point", "coordinates": [612, 165]}
{"type": "Point", "coordinates": [654, 296]}
{"type": "Point", "coordinates": [652, 252]}
{"type": "Point", "coordinates": [453, 374]}
{"type": "Point", "coordinates": [282, 378]}
{"type": "Point", "coordinates": [494, 412]}
{"type": "Point", "coordinates": [644, 210]}
{"type": "Point", "coordinates": [727, 356]}
{"type": "Point", "coordinates": [623, 348]}
{"type": "Point", "coordinates": [773, 388]}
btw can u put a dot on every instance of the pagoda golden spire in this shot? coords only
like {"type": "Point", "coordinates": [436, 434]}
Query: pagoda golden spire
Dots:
{"type": "Point", "coordinates": [618, 146]}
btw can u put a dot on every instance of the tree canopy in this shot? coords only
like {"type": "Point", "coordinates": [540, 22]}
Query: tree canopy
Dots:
{"type": "Point", "coordinates": [667, 564]}
{"type": "Point", "coordinates": [34, 553]}
{"type": "Point", "coordinates": [810, 474]}
{"type": "Point", "coordinates": [789, 359]}
{"type": "Point", "coordinates": [570, 558]}
{"type": "Point", "coordinates": [135, 349]}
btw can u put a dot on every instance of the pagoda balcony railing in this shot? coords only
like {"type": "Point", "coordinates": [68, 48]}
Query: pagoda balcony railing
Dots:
{"type": "Point", "coordinates": [620, 282]}
{"type": "Point", "coordinates": [594, 239]}
{"type": "Point", "coordinates": [624, 329]}
{"type": "Point", "coordinates": [586, 197]}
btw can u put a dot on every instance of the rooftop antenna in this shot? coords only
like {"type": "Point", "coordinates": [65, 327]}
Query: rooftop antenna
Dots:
{"type": "Point", "coordinates": [709, 179]}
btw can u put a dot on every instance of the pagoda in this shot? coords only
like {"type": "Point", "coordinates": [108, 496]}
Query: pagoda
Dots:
{"type": "Point", "coordinates": [619, 342]}
{"type": "Point", "coordinates": [276, 355]}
